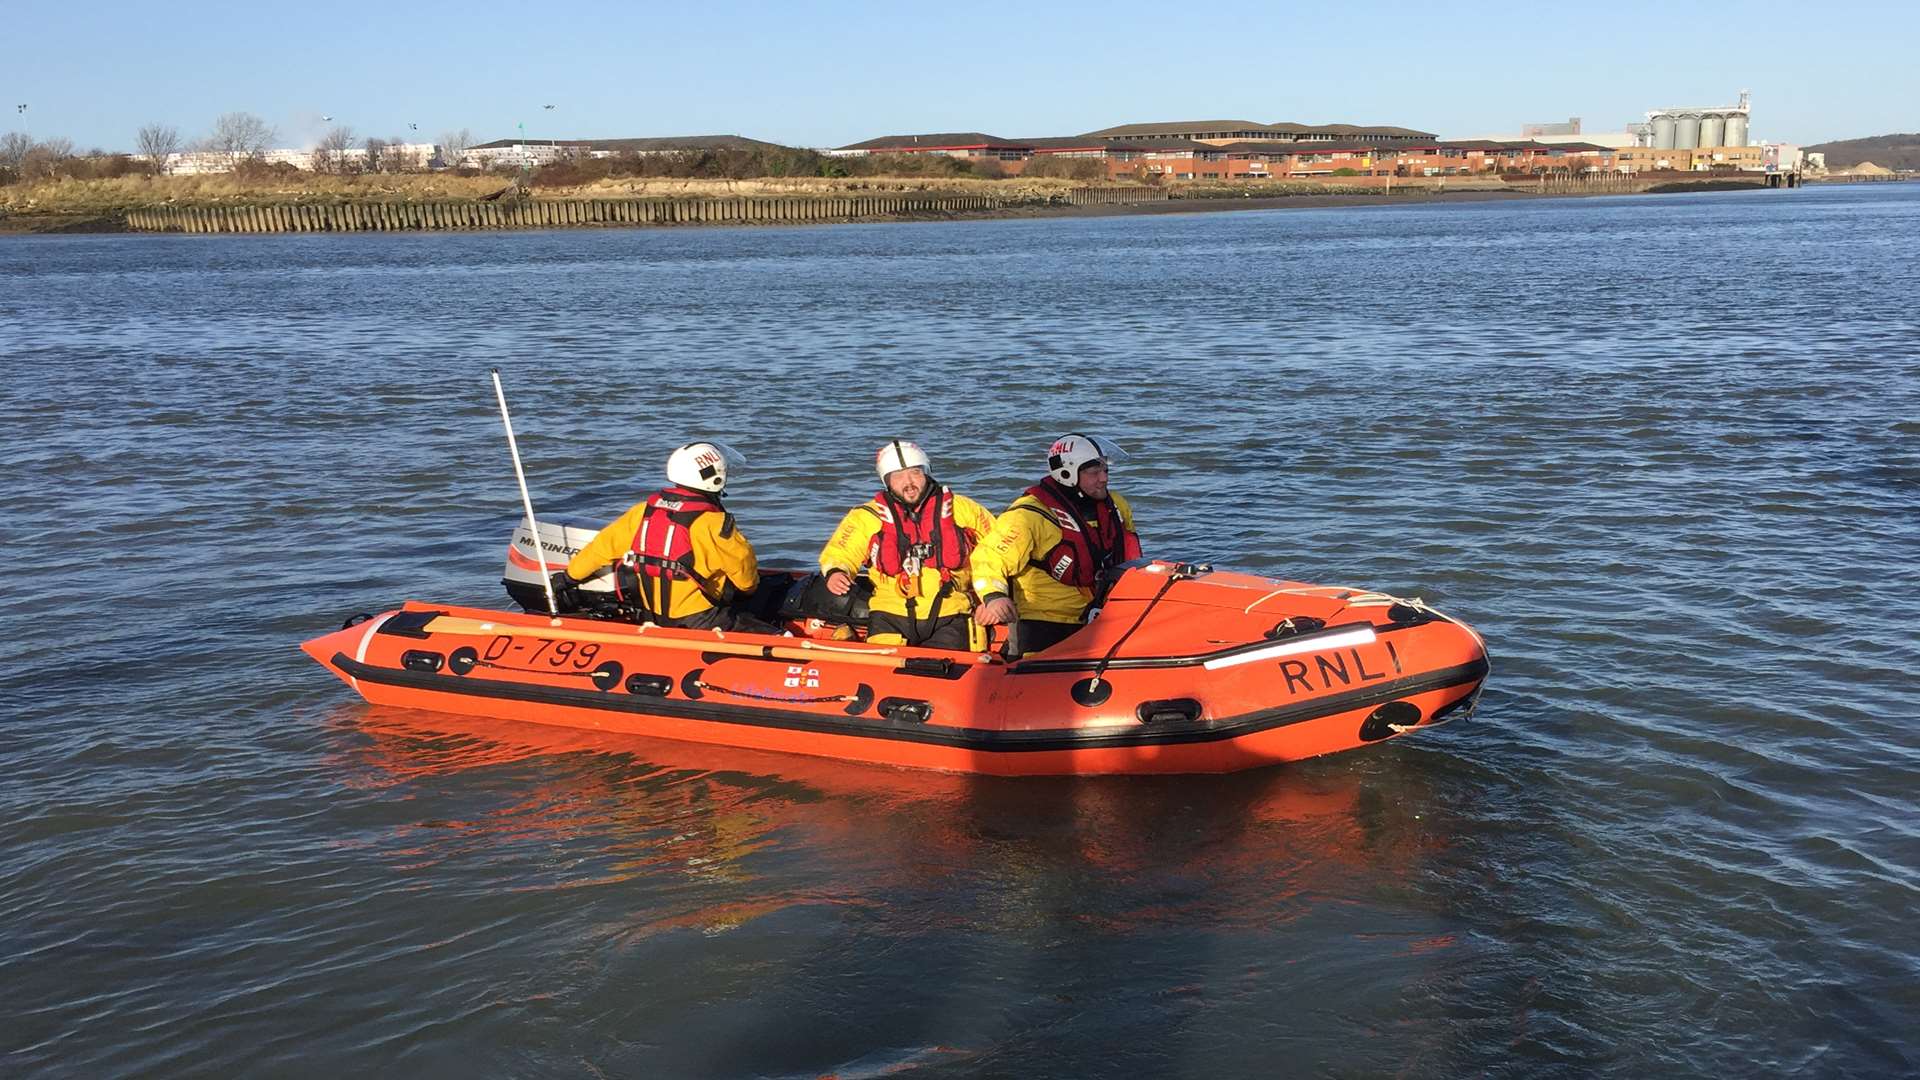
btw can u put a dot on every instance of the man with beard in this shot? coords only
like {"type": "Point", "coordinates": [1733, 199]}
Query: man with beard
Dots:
{"type": "Point", "coordinates": [914, 539]}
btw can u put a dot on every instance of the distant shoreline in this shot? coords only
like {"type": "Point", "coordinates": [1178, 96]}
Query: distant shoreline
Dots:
{"type": "Point", "coordinates": [110, 222]}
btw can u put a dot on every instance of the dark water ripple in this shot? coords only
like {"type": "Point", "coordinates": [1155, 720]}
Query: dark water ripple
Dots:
{"type": "Point", "coordinates": [1664, 453]}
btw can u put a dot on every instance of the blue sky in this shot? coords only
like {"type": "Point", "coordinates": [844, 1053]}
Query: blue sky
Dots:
{"type": "Point", "coordinates": [836, 73]}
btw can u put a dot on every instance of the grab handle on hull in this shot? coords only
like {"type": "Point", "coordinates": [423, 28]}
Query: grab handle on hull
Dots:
{"type": "Point", "coordinates": [1170, 711]}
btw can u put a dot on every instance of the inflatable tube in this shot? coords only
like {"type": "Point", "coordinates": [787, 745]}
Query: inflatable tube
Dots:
{"type": "Point", "coordinates": [1184, 670]}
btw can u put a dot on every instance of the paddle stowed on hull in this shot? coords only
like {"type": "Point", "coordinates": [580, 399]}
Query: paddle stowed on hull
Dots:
{"type": "Point", "coordinates": [1184, 670]}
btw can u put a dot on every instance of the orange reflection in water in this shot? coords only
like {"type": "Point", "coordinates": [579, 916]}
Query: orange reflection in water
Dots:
{"type": "Point", "coordinates": [759, 832]}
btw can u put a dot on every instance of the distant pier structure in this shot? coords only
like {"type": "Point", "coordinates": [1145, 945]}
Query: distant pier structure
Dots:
{"type": "Point", "coordinates": [1692, 127]}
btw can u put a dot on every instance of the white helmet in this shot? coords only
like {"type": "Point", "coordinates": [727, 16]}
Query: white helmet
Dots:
{"type": "Point", "coordinates": [702, 466]}
{"type": "Point", "coordinates": [1074, 451]}
{"type": "Point", "coordinates": [899, 454]}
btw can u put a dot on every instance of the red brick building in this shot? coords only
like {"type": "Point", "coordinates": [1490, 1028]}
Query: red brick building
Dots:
{"type": "Point", "coordinates": [1209, 150]}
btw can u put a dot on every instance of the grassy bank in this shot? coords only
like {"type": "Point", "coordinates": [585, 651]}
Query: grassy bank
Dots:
{"type": "Point", "coordinates": [66, 196]}
{"type": "Point", "coordinates": [120, 194]}
{"type": "Point", "coordinates": [298, 200]}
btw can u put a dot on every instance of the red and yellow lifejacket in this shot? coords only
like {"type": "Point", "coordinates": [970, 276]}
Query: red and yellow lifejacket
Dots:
{"type": "Point", "coordinates": [928, 534]}
{"type": "Point", "coordinates": [1086, 546]}
{"type": "Point", "coordinates": [663, 546]}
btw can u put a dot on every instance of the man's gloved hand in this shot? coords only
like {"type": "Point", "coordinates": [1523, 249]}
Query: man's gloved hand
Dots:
{"type": "Point", "coordinates": [566, 592]}
{"type": "Point", "coordinates": [995, 612]}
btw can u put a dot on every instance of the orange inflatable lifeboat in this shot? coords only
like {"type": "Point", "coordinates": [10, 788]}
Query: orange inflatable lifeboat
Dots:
{"type": "Point", "coordinates": [1185, 669]}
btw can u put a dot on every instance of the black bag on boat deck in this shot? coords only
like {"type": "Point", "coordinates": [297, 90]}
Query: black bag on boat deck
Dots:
{"type": "Point", "coordinates": [808, 598]}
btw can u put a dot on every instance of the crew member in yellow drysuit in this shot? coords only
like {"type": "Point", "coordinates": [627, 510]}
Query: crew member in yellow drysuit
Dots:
{"type": "Point", "coordinates": [914, 539]}
{"type": "Point", "coordinates": [1041, 565]}
{"type": "Point", "coordinates": [690, 559]}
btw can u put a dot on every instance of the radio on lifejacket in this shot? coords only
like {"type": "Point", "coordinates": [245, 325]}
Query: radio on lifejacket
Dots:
{"type": "Point", "coordinates": [907, 544]}
{"type": "Point", "coordinates": [916, 558]}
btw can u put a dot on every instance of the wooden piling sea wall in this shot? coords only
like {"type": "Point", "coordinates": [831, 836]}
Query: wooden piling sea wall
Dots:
{"type": "Point", "coordinates": [1587, 184]}
{"type": "Point", "coordinates": [1115, 196]}
{"type": "Point", "coordinates": [568, 213]}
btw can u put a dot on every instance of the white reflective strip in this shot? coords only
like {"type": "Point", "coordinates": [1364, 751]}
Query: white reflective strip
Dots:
{"type": "Point", "coordinates": [666, 577]}
{"type": "Point", "coordinates": [360, 654]}
{"type": "Point", "coordinates": [1359, 635]}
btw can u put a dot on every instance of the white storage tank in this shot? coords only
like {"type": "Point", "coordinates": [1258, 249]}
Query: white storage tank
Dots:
{"type": "Point", "coordinates": [1713, 130]}
{"type": "Point", "coordinates": [1736, 130]}
{"type": "Point", "coordinates": [1663, 131]}
{"type": "Point", "coordinates": [1686, 134]}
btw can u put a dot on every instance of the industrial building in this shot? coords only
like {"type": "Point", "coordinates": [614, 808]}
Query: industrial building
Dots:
{"type": "Point", "coordinates": [1697, 159]}
{"type": "Point", "coordinates": [1691, 127]}
{"type": "Point", "coordinates": [1534, 131]}
{"type": "Point", "coordinates": [532, 153]}
{"type": "Point", "coordinates": [200, 162]}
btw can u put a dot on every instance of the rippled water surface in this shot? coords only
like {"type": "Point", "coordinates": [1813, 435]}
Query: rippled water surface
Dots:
{"type": "Point", "coordinates": [1662, 451]}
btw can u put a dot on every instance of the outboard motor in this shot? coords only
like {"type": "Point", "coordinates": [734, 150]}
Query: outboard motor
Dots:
{"type": "Point", "coordinates": [559, 542]}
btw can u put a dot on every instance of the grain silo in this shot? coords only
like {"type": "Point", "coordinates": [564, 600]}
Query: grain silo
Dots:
{"type": "Point", "coordinates": [1696, 126]}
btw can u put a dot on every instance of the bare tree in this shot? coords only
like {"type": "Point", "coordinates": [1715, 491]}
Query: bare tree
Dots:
{"type": "Point", "coordinates": [157, 143]}
{"type": "Point", "coordinates": [47, 157]}
{"type": "Point", "coordinates": [238, 136]}
{"type": "Point", "coordinates": [454, 146]}
{"type": "Point", "coordinates": [376, 154]}
{"type": "Point", "coordinates": [14, 148]}
{"type": "Point", "coordinates": [401, 157]}
{"type": "Point", "coordinates": [331, 156]}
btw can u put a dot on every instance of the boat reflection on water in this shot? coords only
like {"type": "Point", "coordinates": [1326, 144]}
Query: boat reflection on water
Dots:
{"type": "Point", "coordinates": [919, 916]}
{"type": "Point", "coordinates": [756, 832]}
